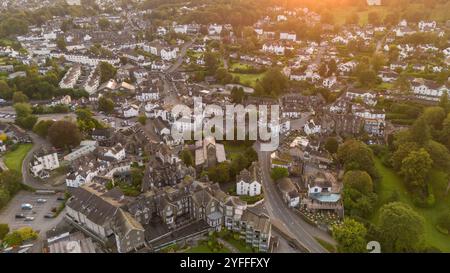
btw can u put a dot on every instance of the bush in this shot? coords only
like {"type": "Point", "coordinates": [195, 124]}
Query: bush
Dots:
{"type": "Point", "coordinates": [4, 229]}
{"type": "Point", "coordinates": [424, 202]}
{"type": "Point", "coordinates": [13, 239]}
{"type": "Point", "coordinates": [278, 173]}
{"type": "Point", "coordinates": [443, 221]}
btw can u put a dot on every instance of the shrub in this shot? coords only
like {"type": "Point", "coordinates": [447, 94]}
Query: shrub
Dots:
{"type": "Point", "coordinates": [4, 229]}
{"type": "Point", "coordinates": [443, 222]}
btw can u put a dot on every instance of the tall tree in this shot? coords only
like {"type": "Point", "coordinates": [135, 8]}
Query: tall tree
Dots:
{"type": "Point", "coordinates": [359, 198]}
{"type": "Point", "coordinates": [64, 134]}
{"type": "Point", "coordinates": [350, 236]}
{"type": "Point", "coordinates": [5, 90]}
{"type": "Point", "coordinates": [444, 102]}
{"type": "Point", "coordinates": [401, 228]}
{"type": "Point", "coordinates": [41, 128]}
{"type": "Point", "coordinates": [355, 155]}
{"type": "Point", "coordinates": [187, 158]}
{"type": "Point", "coordinates": [274, 82]}
{"type": "Point", "coordinates": [211, 62]}
{"type": "Point", "coordinates": [420, 131]}
{"type": "Point", "coordinates": [416, 167]}
{"type": "Point", "coordinates": [237, 94]}
{"type": "Point", "coordinates": [106, 105]}
{"type": "Point", "coordinates": [19, 96]}
{"type": "Point", "coordinates": [331, 145]}
{"type": "Point", "coordinates": [107, 71]}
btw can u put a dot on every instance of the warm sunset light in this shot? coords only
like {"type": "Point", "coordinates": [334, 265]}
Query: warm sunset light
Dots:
{"type": "Point", "coordinates": [192, 130]}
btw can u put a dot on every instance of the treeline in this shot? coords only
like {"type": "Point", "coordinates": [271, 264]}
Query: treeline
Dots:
{"type": "Point", "coordinates": [36, 86]}
{"type": "Point", "coordinates": [421, 150]}
{"type": "Point", "coordinates": [236, 13]}
{"type": "Point", "coordinates": [16, 22]}
{"type": "Point", "coordinates": [10, 184]}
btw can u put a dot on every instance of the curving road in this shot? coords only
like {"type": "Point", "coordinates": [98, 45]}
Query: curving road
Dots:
{"type": "Point", "coordinates": [28, 179]}
{"type": "Point", "coordinates": [277, 209]}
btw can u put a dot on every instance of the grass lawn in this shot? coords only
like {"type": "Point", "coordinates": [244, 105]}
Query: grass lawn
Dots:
{"type": "Point", "coordinates": [203, 248]}
{"type": "Point", "coordinates": [13, 159]}
{"type": "Point", "coordinates": [233, 150]}
{"type": "Point", "coordinates": [392, 182]}
{"type": "Point", "coordinates": [240, 245]}
{"type": "Point", "coordinates": [239, 66]}
{"type": "Point", "coordinates": [341, 14]}
{"type": "Point", "coordinates": [249, 79]}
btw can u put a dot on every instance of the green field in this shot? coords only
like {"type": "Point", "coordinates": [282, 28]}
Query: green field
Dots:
{"type": "Point", "coordinates": [341, 14]}
{"type": "Point", "coordinates": [391, 182]}
{"type": "Point", "coordinates": [239, 66]}
{"type": "Point", "coordinates": [249, 79]}
{"type": "Point", "coordinates": [13, 159]}
{"type": "Point", "coordinates": [439, 13]}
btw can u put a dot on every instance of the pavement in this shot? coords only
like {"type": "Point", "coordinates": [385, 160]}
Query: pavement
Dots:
{"type": "Point", "coordinates": [277, 209]}
{"type": "Point", "coordinates": [283, 245]}
{"type": "Point", "coordinates": [41, 224]}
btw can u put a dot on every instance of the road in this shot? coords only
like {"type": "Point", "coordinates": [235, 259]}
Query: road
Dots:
{"type": "Point", "coordinates": [180, 58]}
{"type": "Point", "coordinates": [276, 208]}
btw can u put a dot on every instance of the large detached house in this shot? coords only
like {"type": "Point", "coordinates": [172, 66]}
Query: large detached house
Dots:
{"type": "Point", "coordinates": [43, 162]}
{"type": "Point", "coordinates": [249, 181]}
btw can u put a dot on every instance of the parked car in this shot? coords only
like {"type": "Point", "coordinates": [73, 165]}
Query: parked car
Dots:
{"type": "Point", "coordinates": [29, 218]}
{"type": "Point", "coordinates": [49, 215]}
{"type": "Point", "coordinates": [41, 200]}
{"type": "Point", "coordinates": [291, 244]}
{"type": "Point", "coordinates": [20, 216]}
{"type": "Point", "coordinates": [27, 206]}
{"type": "Point", "coordinates": [60, 198]}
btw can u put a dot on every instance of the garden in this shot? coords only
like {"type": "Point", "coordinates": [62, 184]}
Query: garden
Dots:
{"type": "Point", "coordinates": [321, 218]}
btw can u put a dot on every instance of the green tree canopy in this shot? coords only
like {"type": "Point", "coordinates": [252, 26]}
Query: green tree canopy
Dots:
{"type": "Point", "coordinates": [355, 155]}
{"type": "Point", "coordinates": [237, 95]}
{"type": "Point", "coordinates": [186, 157]}
{"type": "Point", "coordinates": [274, 82]}
{"type": "Point", "coordinates": [107, 71]}
{"type": "Point", "coordinates": [416, 167]}
{"type": "Point", "coordinates": [41, 128]}
{"type": "Point", "coordinates": [278, 173]}
{"type": "Point", "coordinates": [401, 228]}
{"type": "Point", "coordinates": [420, 131]}
{"type": "Point", "coordinates": [331, 145]}
{"type": "Point", "coordinates": [350, 236]}
{"type": "Point", "coordinates": [19, 97]}
{"type": "Point", "coordinates": [64, 134]}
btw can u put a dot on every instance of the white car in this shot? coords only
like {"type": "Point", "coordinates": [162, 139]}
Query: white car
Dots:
{"type": "Point", "coordinates": [40, 200]}
{"type": "Point", "coordinates": [29, 218]}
